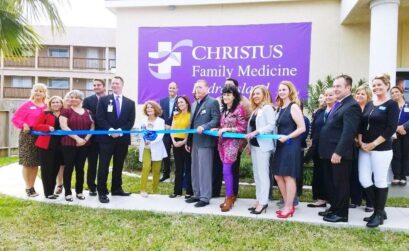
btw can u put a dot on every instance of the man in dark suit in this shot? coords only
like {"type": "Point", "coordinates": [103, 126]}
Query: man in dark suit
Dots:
{"type": "Point", "coordinates": [114, 112]}
{"type": "Point", "coordinates": [91, 103]}
{"type": "Point", "coordinates": [336, 147]}
{"type": "Point", "coordinates": [168, 105]}
{"type": "Point", "coordinates": [206, 115]}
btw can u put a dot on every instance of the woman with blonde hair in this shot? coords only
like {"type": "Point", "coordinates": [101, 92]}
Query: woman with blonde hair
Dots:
{"type": "Point", "coordinates": [60, 175]}
{"type": "Point", "coordinates": [262, 121]}
{"type": "Point", "coordinates": [24, 118]}
{"type": "Point", "coordinates": [151, 148]}
{"type": "Point", "coordinates": [363, 95]}
{"type": "Point", "coordinates": [49, 146]}
{"type": "Point", "coordinates": [286, 164]}
{"type": "Point", "coordinates": [379, 123]}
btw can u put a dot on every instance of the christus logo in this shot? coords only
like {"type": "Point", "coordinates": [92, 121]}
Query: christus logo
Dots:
{"type": "Point", "coordinates": [166, 57]}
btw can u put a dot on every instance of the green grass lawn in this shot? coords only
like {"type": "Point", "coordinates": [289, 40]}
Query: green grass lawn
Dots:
{"type": "Point", "coordinates": [33, 225]}
{"type": "Point", "coordinates": [7, 160]}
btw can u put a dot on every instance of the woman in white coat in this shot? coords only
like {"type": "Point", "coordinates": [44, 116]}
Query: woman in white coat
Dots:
{"type": "Point", "coordinates": [262, 121]}
{"type": "Point", "coordinates": [151, 148]}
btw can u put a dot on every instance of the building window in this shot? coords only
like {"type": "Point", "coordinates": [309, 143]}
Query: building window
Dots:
{"type": "Point", "coordinates": [59, 52]}
{"type": "Point", "coordinates": [59, 83]}
{"type": "Point", "coordinates": [22, 82]}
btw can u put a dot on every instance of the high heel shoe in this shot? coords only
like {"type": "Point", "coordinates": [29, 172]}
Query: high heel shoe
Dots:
{"type": "Point", "coordinates": [264, 208]}
{"type": "Point", "coordinates": [286, 215]}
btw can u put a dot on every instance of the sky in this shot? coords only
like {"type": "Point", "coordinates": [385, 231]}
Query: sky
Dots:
{"type": "Point", "coordinates": [85, 13]}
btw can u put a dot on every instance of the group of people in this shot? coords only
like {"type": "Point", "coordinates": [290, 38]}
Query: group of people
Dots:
{"type": "Point", "coordinates": [352, 142]}
{"type": "Point", "coordinates": [58, 156]}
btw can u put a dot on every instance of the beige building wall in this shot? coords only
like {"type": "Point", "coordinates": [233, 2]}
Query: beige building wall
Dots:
{"type": "Point", "coordinates": [335, 48]}
{"type": "Point", "coordinates": [403, 45]}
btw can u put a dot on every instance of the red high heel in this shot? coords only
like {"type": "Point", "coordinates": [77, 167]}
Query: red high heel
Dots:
{"type": "Point", "coordinates": [288, 214]}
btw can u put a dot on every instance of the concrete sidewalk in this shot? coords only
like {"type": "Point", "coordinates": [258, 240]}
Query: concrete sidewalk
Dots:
{"type": "Point", "coordinates": [11, 183]}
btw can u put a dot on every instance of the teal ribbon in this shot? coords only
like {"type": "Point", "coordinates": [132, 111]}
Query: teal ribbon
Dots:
{"type": "Point", "coordinates": [232, 135]}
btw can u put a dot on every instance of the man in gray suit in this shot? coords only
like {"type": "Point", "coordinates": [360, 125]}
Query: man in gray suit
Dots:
{"type": "Point", "coordinates": [205, 115]}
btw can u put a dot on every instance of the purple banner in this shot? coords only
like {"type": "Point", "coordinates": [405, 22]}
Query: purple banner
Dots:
{"type": "Point", "coordinates": [252, 54]}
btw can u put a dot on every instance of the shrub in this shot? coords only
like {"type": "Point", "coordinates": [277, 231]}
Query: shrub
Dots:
{"type": "Point", "coordinates": [132, 163]}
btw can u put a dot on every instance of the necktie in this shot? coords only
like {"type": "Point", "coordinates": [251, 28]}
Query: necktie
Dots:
{"type": "Point", "coordinates": [334, 108]}
{"type": "Point", "coordinates": [118, 106]}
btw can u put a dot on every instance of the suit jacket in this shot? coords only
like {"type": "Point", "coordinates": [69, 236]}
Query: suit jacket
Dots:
{"type": "Point", "coordinates": [208, 117]}
{"type": "Point", "coordinates": [265, 124]}
{"type": "Point", "coordinates": [164, 103]}
{"type": "Point", "coordinates": [107, 120]}
{"type": "Point", "coordinates": [158, 150]}
{"type": "Point", "coordinates": [91, 103]}
{"type": "Point", "coordinates": [338, 133]}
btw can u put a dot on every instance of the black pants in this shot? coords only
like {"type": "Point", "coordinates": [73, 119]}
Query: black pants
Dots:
{"type": "Point", "coordinates": [337, 185]}
{"type": "Point", "coordinates": [167, 141]}
{"type": "Point", "coordinates": [183, 164]}
{"type": "Point", "coordinates": [50, 161]}
{"type": "Point", "coordinates": [74, 157]}
{"type": "Point", "coordinates": [217, 174]}
{"type": "Point", "coordinates": [93, 152]}
{"type": "Point", "coordinates": [356, 189]}
{"type": "Point", "coordinates": [118, 150]}
{"type": "Point", "coordinates": [318, 178]}
{"type": "Point", "coordinates": [236, 175]}
{"type": "Point", "coordinates": [400, 160]}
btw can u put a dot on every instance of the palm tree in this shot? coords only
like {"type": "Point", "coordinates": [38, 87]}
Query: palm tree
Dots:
{"type": "Point", "coordinates": [315, 89]}
{"type": "Point", "coordinates": [16, 34]}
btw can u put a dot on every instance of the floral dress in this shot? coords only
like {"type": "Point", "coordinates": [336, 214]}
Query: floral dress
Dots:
{"type": "Point", "coordinates": [228, 147]}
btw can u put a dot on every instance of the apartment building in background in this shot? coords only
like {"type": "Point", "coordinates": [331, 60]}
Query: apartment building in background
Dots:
{"type": "Point", "coordinates": [64, 62]}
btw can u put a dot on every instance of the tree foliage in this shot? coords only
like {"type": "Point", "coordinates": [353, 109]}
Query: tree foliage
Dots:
{"type": "Point", "coordinates": [317, 88]}
{"type": "Point", "coordinates": [17, 35]}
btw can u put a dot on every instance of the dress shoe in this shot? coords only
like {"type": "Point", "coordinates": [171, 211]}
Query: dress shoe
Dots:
{"type": "Point", "coordinates": [120, 193]}
{"type": "Point", "coordinates": [368, 219]}
{"type": "Point", "coordinates": [188, 196]}
{"type": "Point", "coordinates": [92, 193]}
{"type": "Point", "coordinates": [368, 209]}
{"type": "Point", "coordinates": [192, 200]}
{"type": "Point", "coordinates": [228, 204]}
{"type": "Point", "coordinates": [103, 199]}
{"type": "Point", "coordinates": [263, 209]}
{"type": "Point", "coordinates": [174, 195]}
{"type": "Point", "coordinates": [201, 203]}
{"type": "Point", "coordinates": [282, 215]}
{"type": "Point", "coordinates": [314, 205]}
{"type": "Point", "coordinates": [335, 218]}
{"type": "Point", "coordinates": [353, 205]}
{"type": "Point", "coordinates": [69, 198]}
{"type": "Point", "coordinates": [376, 220]}
{"type": "Point", "coordinates": [164, 178]}
{"type": "Point", "coordinates": [325, 213]}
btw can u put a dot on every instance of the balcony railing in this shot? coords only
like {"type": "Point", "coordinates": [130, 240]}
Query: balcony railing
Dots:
{"type": "Point", "coordinates": [62, 63]}
{"type": "Point", "coordinates": [24, 93]}
{"type": "Point", "coordinates": [54, 62]}
{"type": "Point", "coordinates": [89, 63]}
{"type": "Point", "coordinates": [24, 62]}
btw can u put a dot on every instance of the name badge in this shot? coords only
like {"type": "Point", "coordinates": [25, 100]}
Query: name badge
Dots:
{"type": "Point", "coordinates": [203, 112]}
{"type": "Point", "coordinates": [110, 108]}
{"type": "Point", "coordinates": [33, 107]}
{"type": "Point", "coordinates": [406, 109]}
{"type": "Point", "coordinates": [382, 108]}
